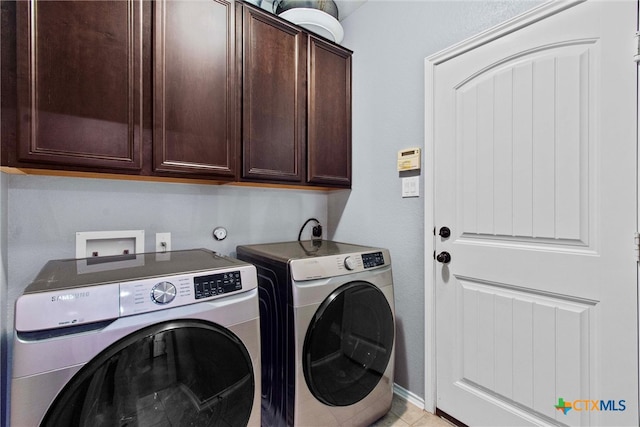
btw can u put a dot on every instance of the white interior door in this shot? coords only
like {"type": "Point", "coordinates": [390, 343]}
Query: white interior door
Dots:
{"type": "Point", "coordinates": [533, 127]}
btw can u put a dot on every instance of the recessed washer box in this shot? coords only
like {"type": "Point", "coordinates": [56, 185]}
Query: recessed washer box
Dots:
{"type": "Point", "coordinates": [108, 243]}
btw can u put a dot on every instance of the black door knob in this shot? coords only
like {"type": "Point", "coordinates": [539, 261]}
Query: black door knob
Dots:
{"type": "Point", "coordinates": [444, 232]}
{"type": "Point", "coordinates": [444, 257]}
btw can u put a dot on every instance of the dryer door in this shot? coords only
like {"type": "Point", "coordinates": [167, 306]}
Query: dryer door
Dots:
{"type": "Point", "coordinates": [183, 372]}
{"type": "Point", "coordinates": [348, 344]}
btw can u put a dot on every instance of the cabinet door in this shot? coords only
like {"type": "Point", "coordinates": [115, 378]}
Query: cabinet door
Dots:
{"type": "Point", "coordinates": [274, 98]}
{"type": "Point", "coordinates": [195, 104]}
{"type": "Point", "coordinates": [329, 121]}
{"type": "Point", "coordinates": [79, 83]}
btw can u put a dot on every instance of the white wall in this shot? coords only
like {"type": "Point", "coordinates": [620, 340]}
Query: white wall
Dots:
{"type": "Point", "coordinates": [45, 212]}
{"type": "Point", "coordinates": [390, 40]}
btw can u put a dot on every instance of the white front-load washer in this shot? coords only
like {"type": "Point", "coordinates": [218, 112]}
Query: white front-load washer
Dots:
{"type": "Point", "coordinates": [328, 330]}
{"type": "Point", "coordinates": [157, 339]}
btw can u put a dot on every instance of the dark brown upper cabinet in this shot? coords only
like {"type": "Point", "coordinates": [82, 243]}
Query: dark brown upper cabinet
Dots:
{"type": "Point", "coordinates": [329, 115]}
{"type": "Point", "coordinates": [79, 83]}
{"type": "Point", "coordinates": [274, 98]}
{"type": "Point", "coordinates": [212, 89]}
{"type": "Point", "coordinates": [195, 100]}
{"type": "Point", "coordinates": [296, 104]}
{"type": "Point", "coordinates": [135, 87]}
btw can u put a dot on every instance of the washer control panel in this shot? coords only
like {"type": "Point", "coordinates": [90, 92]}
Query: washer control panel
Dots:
{"type": "Point", "coordinates": [171, 291]}
{"type": "Point", "coordinates": [217, 284]}
{"type": "Point", "coordinates": [123, 290]}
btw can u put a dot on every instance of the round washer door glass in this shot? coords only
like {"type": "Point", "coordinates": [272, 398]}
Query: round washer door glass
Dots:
{"type": "Point", "coordinates": [348, 345]}
{"type": "Point", "coordinates": [179, 373]}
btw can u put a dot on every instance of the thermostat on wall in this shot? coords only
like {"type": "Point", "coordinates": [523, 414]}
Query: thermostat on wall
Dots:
{"type": "Point", "coordinates": [409, 159]}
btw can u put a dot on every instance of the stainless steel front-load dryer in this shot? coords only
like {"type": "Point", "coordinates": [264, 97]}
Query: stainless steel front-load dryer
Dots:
{"type": "Point", "coordinates": [327, 327]}
{"type": "Point", "coordinates": [166, 339]}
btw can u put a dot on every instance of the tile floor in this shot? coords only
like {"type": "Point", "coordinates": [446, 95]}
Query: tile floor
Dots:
{"type": "Point", "coordinates": [403, 414]}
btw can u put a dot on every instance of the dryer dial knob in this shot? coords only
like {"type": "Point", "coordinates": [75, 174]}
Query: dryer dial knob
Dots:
{"type": "Point", "coordinates": [349, 263]}
{"type": "Point", "coordinates": [163, 293]}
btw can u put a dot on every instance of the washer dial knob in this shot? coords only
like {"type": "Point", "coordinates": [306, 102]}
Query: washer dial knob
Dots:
{"type": "Point", "coordinates": [349, 263]}
{"type": "Point", "coordinates": [163, 293]}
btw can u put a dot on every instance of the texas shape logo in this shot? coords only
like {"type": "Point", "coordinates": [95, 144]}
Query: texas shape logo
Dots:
{"type": "Point", "coordinates": [563, 406]}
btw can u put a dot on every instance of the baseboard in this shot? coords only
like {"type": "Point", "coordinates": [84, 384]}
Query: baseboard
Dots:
{"type": "Point", "coordinates": [409, 396]}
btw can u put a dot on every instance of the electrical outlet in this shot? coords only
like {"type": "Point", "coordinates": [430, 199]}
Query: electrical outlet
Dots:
{"type": "Point", "coordinates": [163, 242]}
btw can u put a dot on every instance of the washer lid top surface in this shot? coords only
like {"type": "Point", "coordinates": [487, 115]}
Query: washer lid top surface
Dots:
{"type": "Point", "coordinates": [73, 273]}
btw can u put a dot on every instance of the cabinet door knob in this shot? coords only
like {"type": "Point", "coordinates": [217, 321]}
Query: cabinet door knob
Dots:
{"type": "Point", "coordinates": [444, 257]}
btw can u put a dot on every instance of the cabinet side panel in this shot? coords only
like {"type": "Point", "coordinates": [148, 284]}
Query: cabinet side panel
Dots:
{"type": "Point", "coordinates": [8, 98]}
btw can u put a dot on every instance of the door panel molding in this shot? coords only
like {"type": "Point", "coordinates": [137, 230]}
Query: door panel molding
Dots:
{"type": "Point", "coordinates": [493, 318]}
{"type": "Point", "coordinates": [502, 117]}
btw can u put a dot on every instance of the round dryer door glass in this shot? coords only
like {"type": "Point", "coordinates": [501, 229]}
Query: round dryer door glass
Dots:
{"type": "Point", "coordinates": [179, 373]}
{"type": "Point", "coordinates": [348, 345]}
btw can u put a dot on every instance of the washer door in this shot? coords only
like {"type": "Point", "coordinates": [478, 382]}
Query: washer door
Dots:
{"type": "Point", "coordinates": [184, 372]}
{"type": "Point", "coordinates": [348, 344]}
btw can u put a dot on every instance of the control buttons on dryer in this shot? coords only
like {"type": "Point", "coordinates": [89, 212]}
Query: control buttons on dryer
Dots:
{"type": "Point", "coordinates": [163, 293]}
{"type": "Point", "coordinates": [374, 259]}
{"type": "Point", "coordinates": [349, 263]}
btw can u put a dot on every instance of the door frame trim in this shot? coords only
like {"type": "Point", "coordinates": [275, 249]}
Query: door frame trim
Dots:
{"type": "Point", "coordinates": [549, 8]}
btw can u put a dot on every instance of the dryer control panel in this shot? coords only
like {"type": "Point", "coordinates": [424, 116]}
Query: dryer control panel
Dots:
{"type": "Point", "coordinates": [374, 259]}
{"type": "Point", "coordinates": [337, 265]}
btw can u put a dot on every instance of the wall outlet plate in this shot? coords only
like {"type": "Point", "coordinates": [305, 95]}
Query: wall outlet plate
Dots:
{"type": "Point", "coordinates": [163, 242]}
{"type": "Point", "coordinates": [108, 243]}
